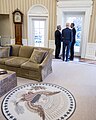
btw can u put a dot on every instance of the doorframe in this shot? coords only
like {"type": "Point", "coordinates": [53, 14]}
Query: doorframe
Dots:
{"type": "Point", "coordinates": [79, 14]}
{"type": "Point", "coordinates": [77, 6]}
{"type": "Point", "coordinates": [37, 11]}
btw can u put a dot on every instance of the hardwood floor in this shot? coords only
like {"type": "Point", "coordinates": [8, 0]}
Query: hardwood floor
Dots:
{"type": "Point", "coordinates": [85, 60]}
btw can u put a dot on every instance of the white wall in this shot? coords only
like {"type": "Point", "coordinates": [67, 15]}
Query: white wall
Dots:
{"type": "Point", "coordinates": [77, 6]}
{"type": "Point", "coordinates": [91, 51]}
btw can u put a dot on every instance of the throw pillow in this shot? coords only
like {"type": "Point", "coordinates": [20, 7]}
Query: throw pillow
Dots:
{"type": "Point", "coordinates": [37, 56]}
{"type": "Point", "coordinates": [4, 52]}
{"type": "Point", "coordinates": [10, 54]}
{"type": "Point", "coordinates": [43, 50]}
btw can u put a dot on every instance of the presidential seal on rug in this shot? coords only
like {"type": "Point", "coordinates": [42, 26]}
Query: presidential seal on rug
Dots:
{"type": "Point", "coordinates": [41, 101]}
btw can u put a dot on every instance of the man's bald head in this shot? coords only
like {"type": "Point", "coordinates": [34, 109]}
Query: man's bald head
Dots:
{"type": "Point", "coordinates": [67, 24]}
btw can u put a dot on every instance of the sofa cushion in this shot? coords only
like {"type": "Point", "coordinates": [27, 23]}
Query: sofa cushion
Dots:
{"type": "Point", "coordinates": [4, 52]}
{"type": "Point", "coordinates": [25, 51]}
{"type": "Point", "coordinates": [30, 66]}
{"type": "Point", "coordinates": [15, 50]}
{"type": "Point", "coordinates": [2, 60]}
{"type": "Point", "coordinates": [37, 56]}
{"type": "Point", "coordinates": [16, 61]}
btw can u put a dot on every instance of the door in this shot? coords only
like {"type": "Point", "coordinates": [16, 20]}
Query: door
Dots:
{"type": "Point", "coordinates": [38, 32]}
{"type": "Point", "coordinates": [77, 19]}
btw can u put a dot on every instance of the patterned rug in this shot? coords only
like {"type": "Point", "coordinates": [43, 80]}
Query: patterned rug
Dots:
{"type": "Point", "coordinates": [41, 101]}
{"type": "Point", "coordinates": [88, 61]}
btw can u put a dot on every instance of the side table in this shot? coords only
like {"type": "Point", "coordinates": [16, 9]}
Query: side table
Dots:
{"type": "Point", "coordinates": [7, 82]}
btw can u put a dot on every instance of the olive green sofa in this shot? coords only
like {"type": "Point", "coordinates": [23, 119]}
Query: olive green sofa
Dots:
{"type": "Point", "coordinates": [20, 60]}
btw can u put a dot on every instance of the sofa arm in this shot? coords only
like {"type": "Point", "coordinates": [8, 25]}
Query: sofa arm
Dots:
{"type": "Point", "coordinates": [48, 59]}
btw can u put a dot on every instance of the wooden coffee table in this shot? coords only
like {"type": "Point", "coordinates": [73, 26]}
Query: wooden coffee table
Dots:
{"type": "Point", "coordinates": [7, 82]}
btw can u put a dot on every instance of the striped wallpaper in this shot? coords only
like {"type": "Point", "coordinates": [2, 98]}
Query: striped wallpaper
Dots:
{"type": "Point", "coordinates": [8, 6]}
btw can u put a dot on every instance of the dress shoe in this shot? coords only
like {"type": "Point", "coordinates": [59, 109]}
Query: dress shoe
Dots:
{"type": "Point", "coordinates": [71, 58]}
{"type": "Point", "coordinates": [57, 57]}
{"type": "Point", "coordinates": [67, 60]}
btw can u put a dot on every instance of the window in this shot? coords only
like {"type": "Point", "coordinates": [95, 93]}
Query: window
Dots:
{"type": "Point", "coordinates": [39, 28]}
{"type": "Point", "coordinates": [77, 20]}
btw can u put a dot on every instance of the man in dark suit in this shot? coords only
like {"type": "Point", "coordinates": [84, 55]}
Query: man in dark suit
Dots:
{"type": "Point", "coordinates": [57, 42]}
{"type": "Point", "coordinates": [73, 42]}
{"type": "Point", "coordinates": [67, 39]}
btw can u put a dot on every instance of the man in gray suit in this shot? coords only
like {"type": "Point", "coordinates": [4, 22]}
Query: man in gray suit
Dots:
{"type": "Point", "coordinates": [67, 38]}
